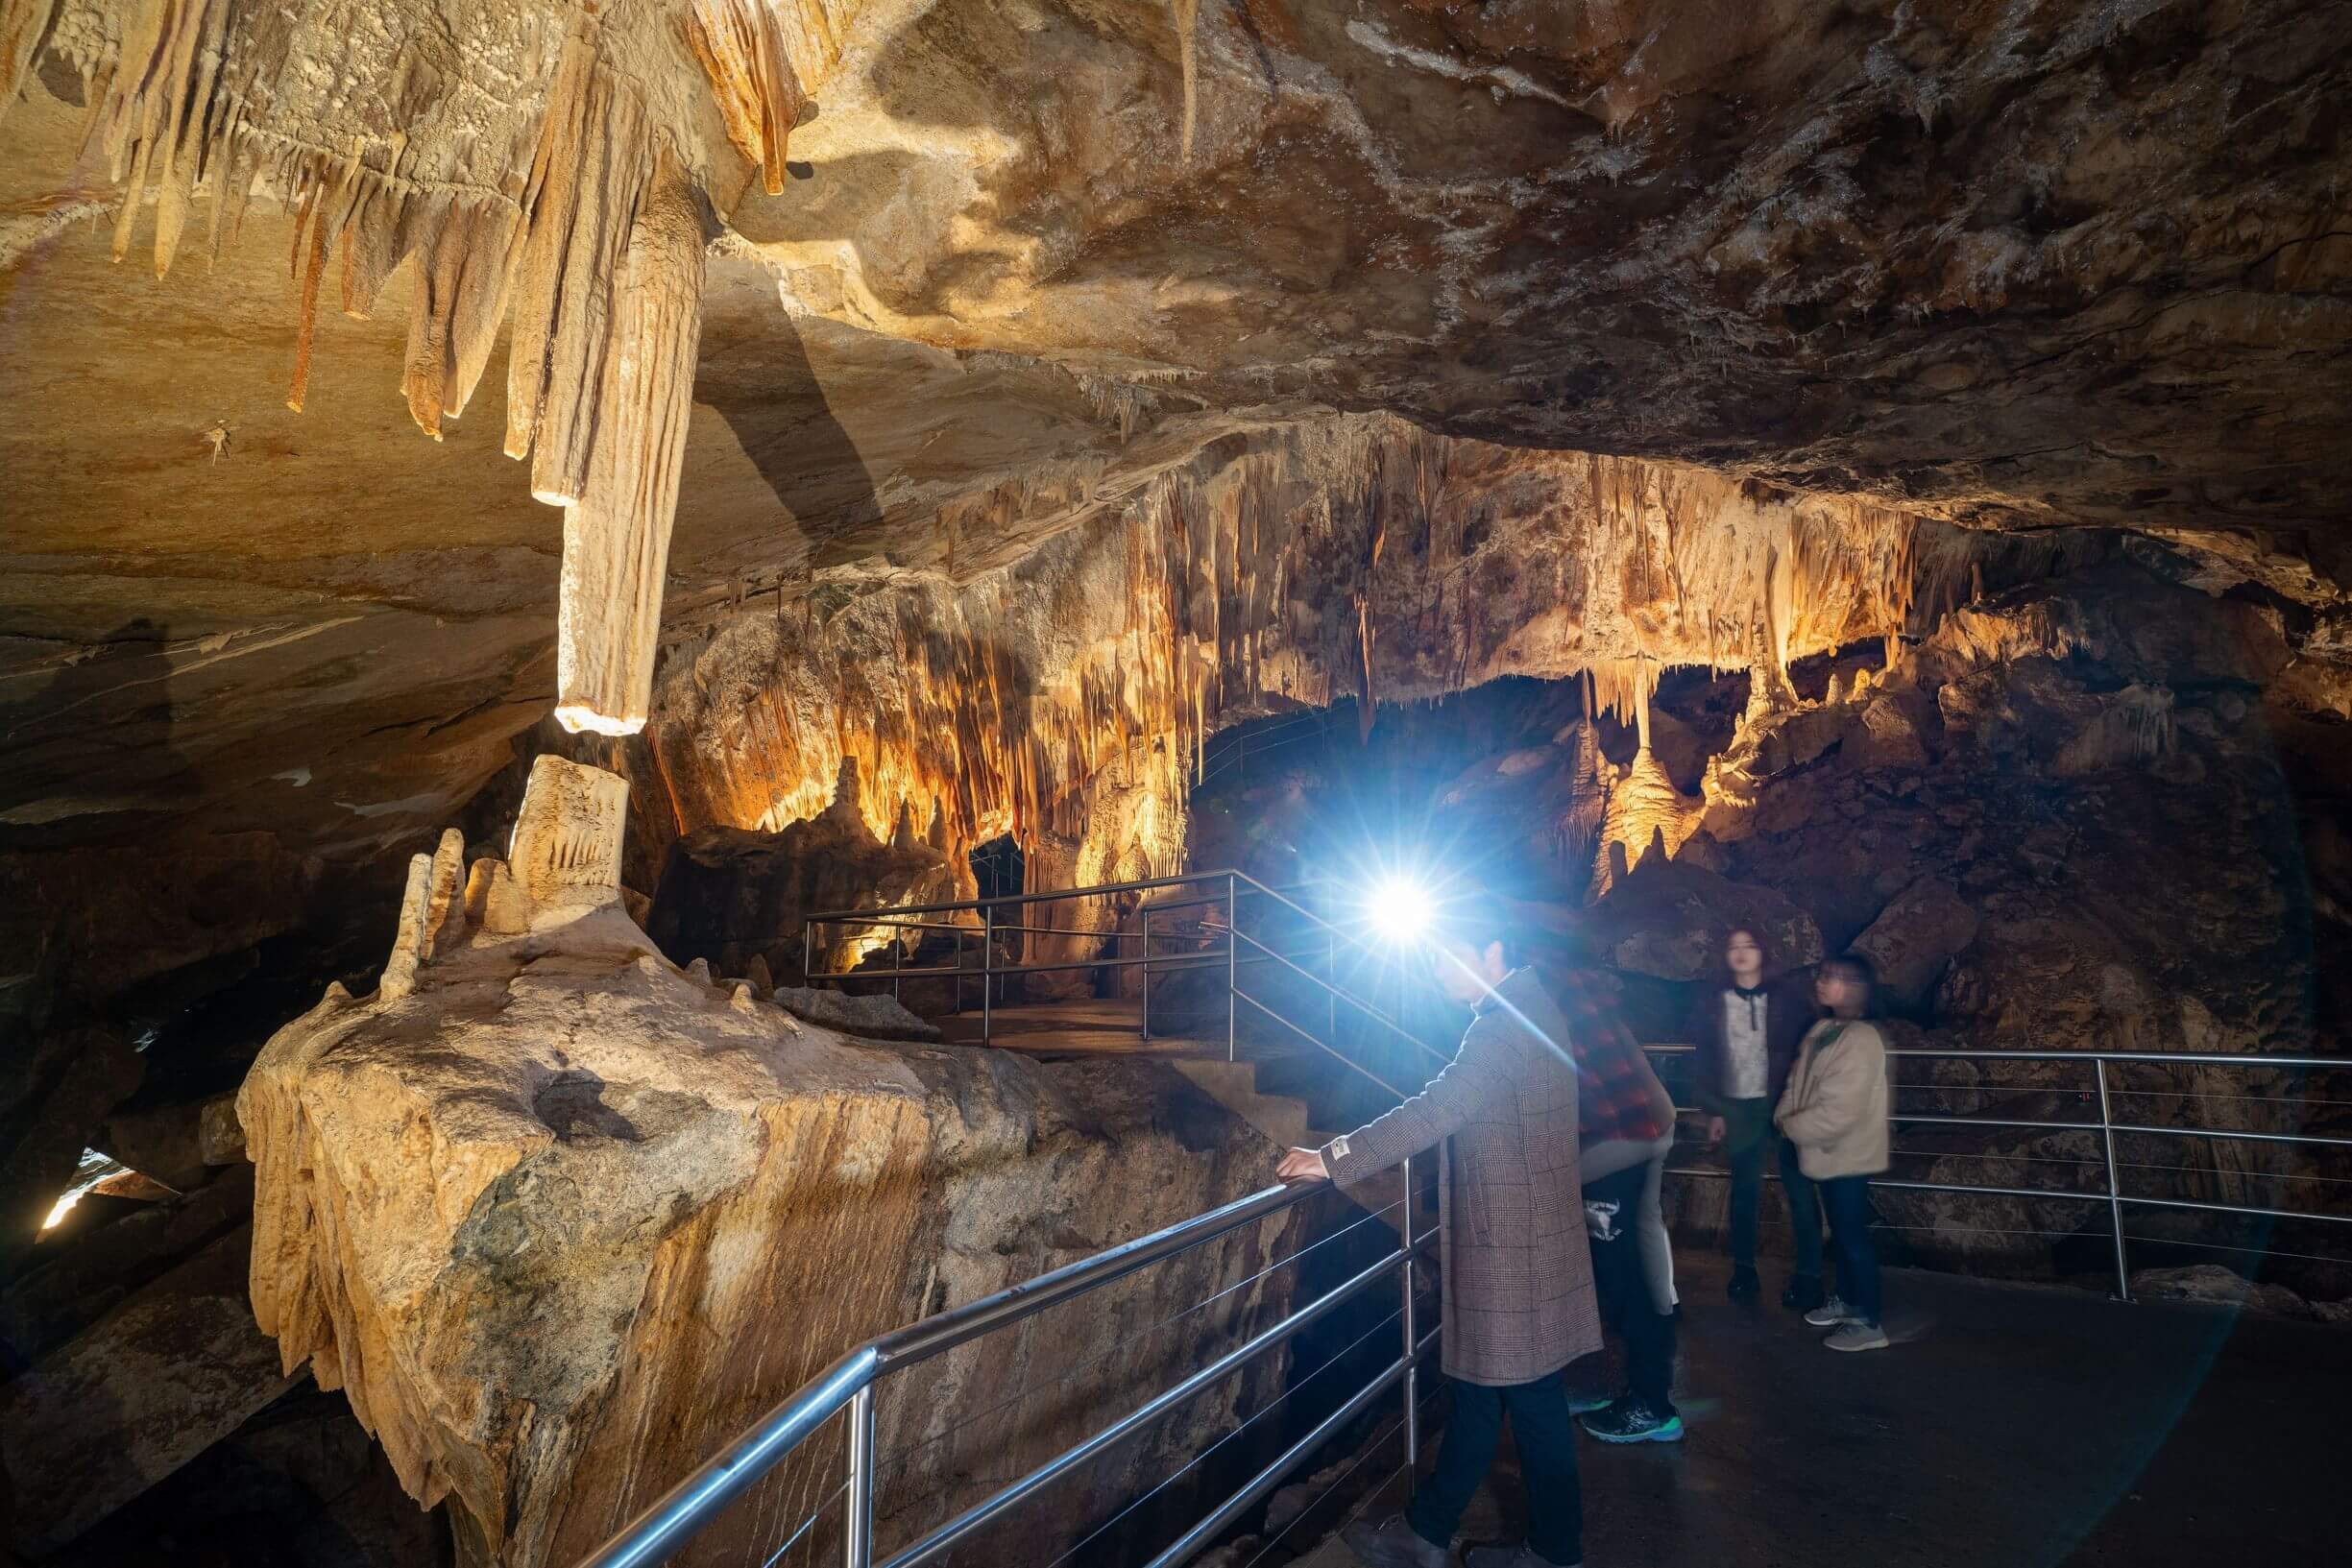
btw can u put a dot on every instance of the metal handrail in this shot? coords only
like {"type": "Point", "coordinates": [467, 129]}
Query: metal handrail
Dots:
{"type": "Point", "coordinates": [1235, 746]}
{"type": "Point", "coordinates": [665, 1525]}
{"type": "Point", "coordinates": [848, 1385]}
{"type": "Point", "coordinates": [2106, 1127]}
{"type": "Point", "coordinates": [1237, 885]}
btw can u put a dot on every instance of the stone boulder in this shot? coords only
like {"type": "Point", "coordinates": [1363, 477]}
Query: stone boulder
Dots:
{"type": "Point", "coordinates": [2212, 1284]}
{"type": "Point", "coordinates": [1668, 920]}
{"type": "Point", "coordinates": [1914, 940]}
{"type": "Point", "coordinates": [868, 1018]}
{"type": "Point", "coordinates": [171, 1371]}
{"type": "Point", "coordinates": [561, 1218]}
{"type": "Point", "coordinates": [177, 1144]}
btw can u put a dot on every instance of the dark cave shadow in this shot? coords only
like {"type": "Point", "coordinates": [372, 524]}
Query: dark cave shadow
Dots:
{"type": "Point", "coordinates": [100, 727]}
{"type": "Point", "coordinates": [793, 450]}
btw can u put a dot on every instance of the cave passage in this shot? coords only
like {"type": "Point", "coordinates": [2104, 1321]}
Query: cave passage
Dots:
{"type": "Point", "coordinates": [685, 688]}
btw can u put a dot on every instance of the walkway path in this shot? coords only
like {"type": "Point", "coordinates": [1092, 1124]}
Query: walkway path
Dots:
{"type": "Point", "coordinates": [2022, 1427]}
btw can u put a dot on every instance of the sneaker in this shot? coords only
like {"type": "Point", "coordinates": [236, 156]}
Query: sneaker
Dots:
{"type": "Point", "coordinates": [1804, 1292]}
{"type": "Point", "coordinates": [1744, 1286]}
{"type": "Point", "coordinates": [1521, 1555]}
{"type": "Point", "coordinates": [1830, 1313]}
{"type": "Point", "coordinates": [1857, 1335]}
{"type": "Point", "coordinates": [1631, 1420]}
{"type": "Point", "coordinates": [1392, 1543]}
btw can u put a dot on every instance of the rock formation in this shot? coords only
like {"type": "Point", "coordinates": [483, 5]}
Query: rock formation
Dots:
{"type": "Point", "coordinates": [559, 1218]}
{"type": "Point", "coordinates": [1917, 430]}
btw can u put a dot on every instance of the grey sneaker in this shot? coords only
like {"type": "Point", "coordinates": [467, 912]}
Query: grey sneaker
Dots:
{"type": "Point", "coordinates": [1857, 1335]}
{"type": "Point", "coordinates": [1521, 1555]}
{"type": "Point", "coordinates": [1830, 1313]}
{"type": "Point", "coordinates": [1392, 1544]}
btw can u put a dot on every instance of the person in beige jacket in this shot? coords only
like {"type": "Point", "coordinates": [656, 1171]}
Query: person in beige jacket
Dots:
{"type": "Point", "coordinates": [1834, 1111]}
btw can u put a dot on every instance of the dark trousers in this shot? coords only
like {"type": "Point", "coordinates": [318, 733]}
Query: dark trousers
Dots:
{"type": "Point", "coordinates": [1546, 1442]}
{"type": "Point", "coordinates": [1803, 1196]}
{"type": "Point", "coordinates": [1747, 1136]}
{"type": "Point", "coordinates": [1848, 1201]}
{"type": "Point", "coordinates": [1625, 1295]}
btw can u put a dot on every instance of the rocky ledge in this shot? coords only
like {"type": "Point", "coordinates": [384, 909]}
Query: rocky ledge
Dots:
{"type": "Point", "coordinates": [560, 1218]}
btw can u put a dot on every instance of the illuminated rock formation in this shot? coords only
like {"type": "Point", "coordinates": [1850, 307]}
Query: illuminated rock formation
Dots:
{"type": "Point", "coordinates": [559, 1218]}
{"type": "Point", "coordinates": [1009, 698]}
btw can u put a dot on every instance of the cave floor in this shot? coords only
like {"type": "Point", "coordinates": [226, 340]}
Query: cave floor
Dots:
{"type": "Point", "coordinates": [2011, 1426]}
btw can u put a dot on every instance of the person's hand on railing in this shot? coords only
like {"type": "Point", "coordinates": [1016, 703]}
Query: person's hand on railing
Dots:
{"type": "Point", "coordinates": [1300, 1167]}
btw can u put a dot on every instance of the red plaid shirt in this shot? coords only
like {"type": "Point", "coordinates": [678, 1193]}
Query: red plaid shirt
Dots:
{"type": "Point", "coordinates": [1613, 1096]}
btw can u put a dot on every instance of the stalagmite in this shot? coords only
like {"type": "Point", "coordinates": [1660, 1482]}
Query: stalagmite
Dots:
{"type": "Point", "coordinates": [565, 855]}
{"type": "Point", "coordinates": [617, 536]}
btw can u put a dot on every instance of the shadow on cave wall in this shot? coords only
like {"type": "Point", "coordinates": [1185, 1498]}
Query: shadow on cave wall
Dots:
{"type": "Point", "coordinates": [785, 424]}
{"type": "Point", "coordinates": [100, 728]}
{"type": "Point", "coordinates": [77, 755]}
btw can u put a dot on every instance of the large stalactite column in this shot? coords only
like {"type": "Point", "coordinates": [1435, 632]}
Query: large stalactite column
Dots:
{"type": "Point", "coordinates": [616, 535]}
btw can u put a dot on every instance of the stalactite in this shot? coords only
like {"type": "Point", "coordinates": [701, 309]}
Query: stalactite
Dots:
{"type": "Point", "coordinates": [617, 538]}
{"type": "Point", "coordinates": [22, 22]}
{"type": "Point", "coordinates": [1187, 15]}
{"type": "Point", "coordinates": [741, 44]}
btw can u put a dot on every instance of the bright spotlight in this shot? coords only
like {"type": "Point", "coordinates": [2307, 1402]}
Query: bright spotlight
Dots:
{"type": "Point", "coordinates": [1399, 909]}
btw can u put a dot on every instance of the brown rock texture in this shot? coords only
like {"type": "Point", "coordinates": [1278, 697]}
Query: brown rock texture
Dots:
{"type": "Point", "coordinates": [560, 1218]}
{"type": "Point", "coordinates": [152, 1384]}
{"type": "Point", "coordinates": [1022, 269]}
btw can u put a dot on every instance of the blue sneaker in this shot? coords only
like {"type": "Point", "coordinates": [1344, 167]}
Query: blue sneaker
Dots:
{"type": "Point", "coordinates": [1631, 1420]}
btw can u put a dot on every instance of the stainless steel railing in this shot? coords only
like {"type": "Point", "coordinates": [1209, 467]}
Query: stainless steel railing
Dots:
{"type": "Point", "coordinates": [2104, 1090]}
{"type": "Point", "coordinates": [1233, 749]}
{"type": "Point", "coordinates": [849, 1387]}
{"type": "Point", "coordinates": [1230, 889]}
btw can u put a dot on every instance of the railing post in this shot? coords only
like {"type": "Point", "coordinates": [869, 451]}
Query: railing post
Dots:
{"type": "Point", "coordinates": [1144, 1031]}
{"type": "Point", "coordinates": [858, 1539]}
{"type": "Point", "coordinates": [987, 966]}
{"type": "Point", "coordinates": [898, 950]}
{"type": "Point", "coordinates": [1233, 954]}
{"type": "Point", "coordinates": [1413, 1421]}
{"type": "Point", "coordinates": [808, 953]}
{"type": "Point", "coordinates": [2114, 1197]}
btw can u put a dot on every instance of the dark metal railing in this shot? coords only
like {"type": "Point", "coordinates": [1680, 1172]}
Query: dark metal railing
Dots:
{"type": "Point", "coordinates": [2113, 1194]}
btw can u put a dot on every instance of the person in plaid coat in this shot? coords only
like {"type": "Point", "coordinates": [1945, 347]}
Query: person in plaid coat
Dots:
{"type": "Point", "coordinates": [1517, 1278]}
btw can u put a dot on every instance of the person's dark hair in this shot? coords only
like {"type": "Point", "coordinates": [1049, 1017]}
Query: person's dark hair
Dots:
{"type": "Point", "coordinates": [1763, 945]}
{"type": "Point", "coordinates": [1854, 967]}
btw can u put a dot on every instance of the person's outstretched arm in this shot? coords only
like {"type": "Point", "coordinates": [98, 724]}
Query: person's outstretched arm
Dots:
{"type": "Point", "coordinates": [1478, 1075]}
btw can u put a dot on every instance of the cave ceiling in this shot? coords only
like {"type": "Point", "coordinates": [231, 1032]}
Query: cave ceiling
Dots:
{"type": "Point", "coordinates": [2011, 266]}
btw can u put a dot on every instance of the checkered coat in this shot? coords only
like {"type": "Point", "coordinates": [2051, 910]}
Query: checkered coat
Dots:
{"type": "Point", "coordinates": [1518, 1277]}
